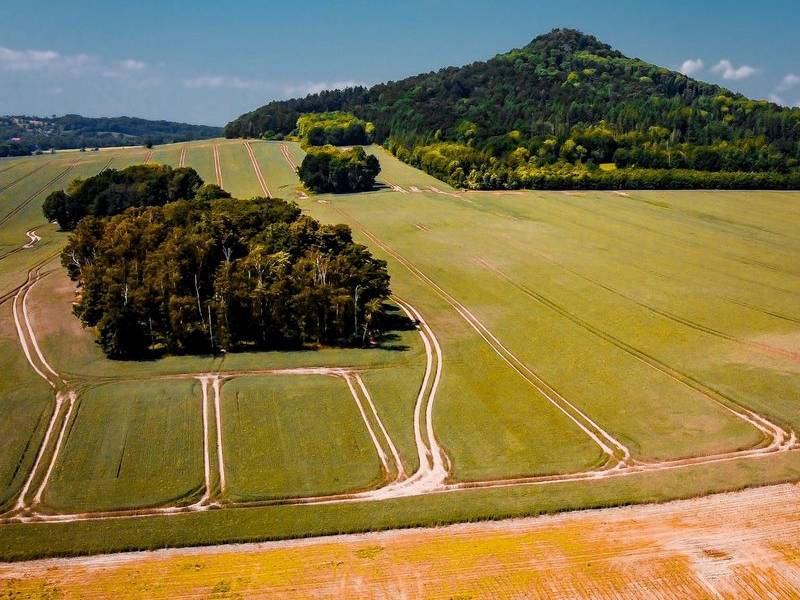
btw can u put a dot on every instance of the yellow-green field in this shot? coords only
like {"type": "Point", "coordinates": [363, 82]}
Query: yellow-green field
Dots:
{"type": "Point", "coordinates": [574, 350]}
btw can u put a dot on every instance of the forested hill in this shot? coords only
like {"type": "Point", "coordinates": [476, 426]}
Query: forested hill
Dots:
{"type": "Point", "coordinates": [567, 100]}
{"type": "Point", "coordinates": [23, 134]}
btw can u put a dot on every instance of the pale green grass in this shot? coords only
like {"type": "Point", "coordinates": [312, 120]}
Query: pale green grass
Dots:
{"type": "Point", "coordinates": [238, 175]}
{"type": "Point", "coordinates": [169, 154]}
{"type": "Point", "coordinates": [26, 404]}
{"type": "Point", "coordinates": [130, 446]}
{"type": "Point", "coordinates": [281, 179]}
{"type": "Point", "coordinates": [201, 158]}
{"type": "Point", "coordinates": [294, 436]}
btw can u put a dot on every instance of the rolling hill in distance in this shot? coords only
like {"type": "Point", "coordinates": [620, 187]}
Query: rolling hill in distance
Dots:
{"type": "Point", "coordinates": [20, 135]}
{"type": "Point", "coordinates": [559, 108]}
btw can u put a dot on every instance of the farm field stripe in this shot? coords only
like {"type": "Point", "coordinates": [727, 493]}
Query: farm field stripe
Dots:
{"type": "Point", "coordinates": [506, 355]}
{"type": "Point", "coordinates": [217, 167]}
{"type": "Point", "coordinates": [37, 498]}
{"type": "Point", "coordinates": [257, 168]}
{"type": "Point", "coordinates": [206, 458]}
{"type": "Point", "coordinates": [400, 470]}
{"type": "Point", "coordinates": [182, 159]}
{"type": "Point", "coordinates": [218, 418]}
{"type": "Point", "coordinates": [771, 431]}
{"type": "Point", "coordinates": [287, 155]}
{"type": "Point", "coordinates": [11, 184]}
{"type": "Point", "coordinates": [30, 198]}
{"type": "Point", "coordinates": [33, 239]}
{"type": "Point", "coordinates": [378, 448]}
{"type": "Point", "coordinates": [147, 156]}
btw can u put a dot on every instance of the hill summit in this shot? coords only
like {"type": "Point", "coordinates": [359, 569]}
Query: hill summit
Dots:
{"type": "Point", "coordinates": [564, 101]}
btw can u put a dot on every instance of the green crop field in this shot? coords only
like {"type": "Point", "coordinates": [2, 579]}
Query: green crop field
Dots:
{"type": "Point", "coordinates": [302, 437]}
{"type": "Point", "coordinates": [129, 446]}
{"type": "Point", "coordinates": [575, 350]}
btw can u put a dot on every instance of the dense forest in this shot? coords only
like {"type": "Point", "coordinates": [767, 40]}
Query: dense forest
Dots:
{"type": "Point", "coordinates": [22, 135]}
{"type": "Point", "coordinates": [194, 271]}
{"type": "Point", "coordinates": [565, 103]}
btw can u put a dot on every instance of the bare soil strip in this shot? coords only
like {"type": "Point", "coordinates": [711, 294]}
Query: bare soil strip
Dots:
{"type": "Point", "coordinates": [217, 167]}
{"type": "Point", "coordinates": [690, 549]}
{"type": "Point", "coordinates": [401, 474]}
{"type": "Point", "coordinates": [218, 418]}
{"type": "Point", "coordinates": [147, 157]}
{"type": "Point", "coordinates": [182, 159]}
{"type": "Point", "coordinates": [257, 169]}
{"type": "Point", "coordinates": [288, 156]}
{"type": "Point", "coordinates": [378, 448]}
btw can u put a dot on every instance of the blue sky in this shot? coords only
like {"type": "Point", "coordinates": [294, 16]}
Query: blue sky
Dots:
{"type": "Point", "coordinates": [207, 61]}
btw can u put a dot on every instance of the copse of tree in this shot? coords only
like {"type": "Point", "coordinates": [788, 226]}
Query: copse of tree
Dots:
{"type": "Point", "coordinates": [327, 169]}
{"type": "Point", "coordinates": [111, 192]}
{"type": "Point", "coordinates": [336, 128]}
{"type": "Point", "coordinates": [208, 275]}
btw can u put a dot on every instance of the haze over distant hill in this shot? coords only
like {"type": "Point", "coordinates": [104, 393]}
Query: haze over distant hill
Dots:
{"type": "Point", "coordinates": [24, 134]}
{"type": "Point", "coordinates": [562, 107]}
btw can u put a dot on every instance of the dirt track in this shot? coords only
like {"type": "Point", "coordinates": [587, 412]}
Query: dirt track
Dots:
{"type": "Point", "coordinates": [704, 548]}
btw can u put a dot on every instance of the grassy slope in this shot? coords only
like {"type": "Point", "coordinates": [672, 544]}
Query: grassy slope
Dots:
{"type": "Point", "coordinates": [26, 405]}
{"type": "Point", "coordinates": [294, 436]}
{"type": "Point", "coordinates": [130, 446]}
{"type": "Point", "coordinates": [237, 170]}
{"type": "Point", "coordinates": [281, 180]}
{"type": "Point", "coordinates": [168, 154]}
{"type": "Point", "coordinates": [201, 158]}
{"type": "Point", "coordinates": [726, 259]}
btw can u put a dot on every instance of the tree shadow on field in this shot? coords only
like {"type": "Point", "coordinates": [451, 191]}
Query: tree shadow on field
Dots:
{"type": "Point", "coordinates": [393, 320]}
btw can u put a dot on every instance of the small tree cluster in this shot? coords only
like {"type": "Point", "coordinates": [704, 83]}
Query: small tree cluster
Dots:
{"type": "Point", "coordinates": [111, 192]}
{"type": "Point", "coordinates": [327, 169]}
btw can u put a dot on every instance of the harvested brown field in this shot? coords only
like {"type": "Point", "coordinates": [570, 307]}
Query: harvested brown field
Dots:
{"type": "Point", "coordinates": [703, 548]}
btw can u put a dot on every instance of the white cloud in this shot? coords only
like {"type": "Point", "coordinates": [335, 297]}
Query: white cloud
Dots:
{"type": "Point", "coordinates": [789, 81]}
{"type": "Point", "coordinates": [728, 71]}
{"type": "Point", "coordinates": [131, 64]}
{"type": "Point", "coordinates": [691, 66]}
{"type": "Point", "coordinates": [75, 64]}
{"type": "Point", "coordinates": [25, 60]}
{"type": "Point", "coordinates": [218, 81]}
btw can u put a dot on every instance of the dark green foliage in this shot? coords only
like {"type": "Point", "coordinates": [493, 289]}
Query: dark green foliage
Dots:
{"type": "Point", "coordinates": [111, 192]}
{"type": "Point", "coordinates": [75, 131]}
{"type": "Point", "coordinates": [336, 128]}
{"type": "Point", "coordinates": [201, 276]}
{"type": "Point", "coordinates": [565, 98]}
{"type": "Point", "coordinates": [340, 171]}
